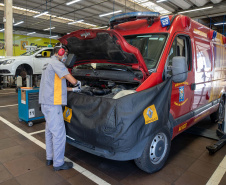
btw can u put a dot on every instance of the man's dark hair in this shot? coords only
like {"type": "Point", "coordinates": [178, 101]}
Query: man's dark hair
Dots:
{"type": "Point", "coordinates": [56, 48]}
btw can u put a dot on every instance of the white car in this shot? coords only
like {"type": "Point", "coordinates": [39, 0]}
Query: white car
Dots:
{"type": "Point", "coordinates": [29, 63]}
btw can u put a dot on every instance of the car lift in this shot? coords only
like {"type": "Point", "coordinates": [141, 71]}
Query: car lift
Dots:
{"type": "Point", "coordinates": [219, 135]}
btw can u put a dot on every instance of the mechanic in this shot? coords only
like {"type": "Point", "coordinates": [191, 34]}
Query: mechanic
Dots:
{"type": "Point", "coordinates": [52, 95]}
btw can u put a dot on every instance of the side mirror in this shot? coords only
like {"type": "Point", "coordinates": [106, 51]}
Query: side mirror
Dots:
{"type": "Point", "coordinates": [179, 69]}
{"type": "Point", "coordinates": [38, 55]}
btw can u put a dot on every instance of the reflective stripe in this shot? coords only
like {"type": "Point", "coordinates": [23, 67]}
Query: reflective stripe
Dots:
{"type": "Point", "coordinates": [57, 90]}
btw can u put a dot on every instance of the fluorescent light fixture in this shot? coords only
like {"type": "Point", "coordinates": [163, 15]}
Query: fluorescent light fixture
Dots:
{"type": "Point", "coordinates": [159, 1]}
{"type": "Point", "coordinates": [76, 21]}
{"type": "Point", "coordinates": [72, 2]}
{"type": "Point", "coordinates": [110, 13]}
{"type": "Point", "coordinates": [100, 27]}
{"type": "Point", "coordinates": [53, 36]}
{"type": "Point", "coordinates": [208, 7]}
{"type": "Point", "coordinates": [21, 22]}
{"type": "Point", "coordinates": [88, 24]}
{"type": "Point", "coordinates": [2, 30]}
{"type": "Point", "coordinates": [43, 13]}
{"type": "Point", "coordinates": [216, 24]}
{"type": "Point", "coordinates": [31, 33]}
{"type": "Point", "coordinates": [66, 19]}
{"type": "Point", "coordinates": [49, 28]}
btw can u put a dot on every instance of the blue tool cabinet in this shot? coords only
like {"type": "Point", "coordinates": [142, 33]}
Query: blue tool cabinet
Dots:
{"type": "Point", "coordinates": [28, 107]}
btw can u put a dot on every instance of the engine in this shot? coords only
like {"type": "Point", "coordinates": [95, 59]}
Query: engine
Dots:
{"type": "Point", "coordinates": [107, 89]}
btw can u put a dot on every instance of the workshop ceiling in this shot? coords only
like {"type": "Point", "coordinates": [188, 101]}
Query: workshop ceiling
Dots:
{"type": "Point", "coordinates": [87, 13]}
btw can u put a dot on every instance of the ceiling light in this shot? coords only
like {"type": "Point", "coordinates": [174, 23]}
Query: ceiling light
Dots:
{"type": "Point", "coordinates": [21, 22]}
{"type": "Point", "coordinates": [43, 13]}
{"type": "Point", "coordinates": [196, 9]}
{"type": "Point", "coordinates": [76, 21]}
{"type": "Point", "coordinates": [66, 19]}
{"type": "Point", "coordinates": [110, 13]}
{"type": "Point", "coordinates": [72, 2]}
{"type": "Point", "coordinates": [53, 36]}
{"type": "Point", "coordinates": [100, 27]}
{"type": "Point", "coordinates": [219, 23]}
{"type": "Point", "coordinates": [89, 24]}
{"type": "Point", "coordinates": [159, 1]}
{"type": "Point", "coordinates": [31, 33]}
{"type": "Point", "coordinates": [49, 28]}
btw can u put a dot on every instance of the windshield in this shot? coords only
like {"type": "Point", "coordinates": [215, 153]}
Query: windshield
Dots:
{"type": "Point", "coordinates": [150, 47]}
{"type": "Point", "coordinates": [28, 53]}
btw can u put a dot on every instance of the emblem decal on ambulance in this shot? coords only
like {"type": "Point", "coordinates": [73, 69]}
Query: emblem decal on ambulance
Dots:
{"type": "Point", "coordinates": [181, 94]}
{"type": "Point", "coordinates": [150, 114]}
{"type": "Point", "coordinates": [67, 114]}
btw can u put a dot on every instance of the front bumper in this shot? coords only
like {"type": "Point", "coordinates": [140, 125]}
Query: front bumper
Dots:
{"type": "Point", "coordinates": [6, 70]}
{"type": "Point", "coordinates": [131, 154]}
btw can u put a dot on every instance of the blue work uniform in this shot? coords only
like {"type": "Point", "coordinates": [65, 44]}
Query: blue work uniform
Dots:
{"type": "Point", "coordinates": [52, 95]}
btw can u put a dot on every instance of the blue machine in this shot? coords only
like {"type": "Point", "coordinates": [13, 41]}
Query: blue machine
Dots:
{"type": "Point", "coordinates": [28, 107]}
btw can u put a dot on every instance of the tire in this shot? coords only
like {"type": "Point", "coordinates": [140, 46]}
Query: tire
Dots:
{"type": "Point", "coordinates": [23, 74]}
{"type": "Point", "coordinates": [155, 152]}
{"type": "Point", "coordinates": [219, 114]}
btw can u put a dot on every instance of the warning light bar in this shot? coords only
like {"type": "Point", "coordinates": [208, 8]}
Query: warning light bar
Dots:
{"type": "Point", "coordinates": [131, 16]}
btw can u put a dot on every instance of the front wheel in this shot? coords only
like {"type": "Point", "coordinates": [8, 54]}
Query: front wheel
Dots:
{"type": "Point", "coordinates": [155, 152]}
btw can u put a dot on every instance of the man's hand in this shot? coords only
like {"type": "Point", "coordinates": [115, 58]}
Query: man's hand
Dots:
{"type": "Point", "coordinates": [76, 88]}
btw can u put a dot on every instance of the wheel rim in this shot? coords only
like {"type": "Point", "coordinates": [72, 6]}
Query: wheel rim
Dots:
{"type": "Point", "coordinates": [158, 148]}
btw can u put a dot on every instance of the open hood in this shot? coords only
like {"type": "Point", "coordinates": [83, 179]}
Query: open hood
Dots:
{"type": "Point", "coordinates": [103, 46]}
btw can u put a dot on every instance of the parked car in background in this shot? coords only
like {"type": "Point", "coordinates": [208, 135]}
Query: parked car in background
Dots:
{"type": "Point", "coordinates": [29, 63]}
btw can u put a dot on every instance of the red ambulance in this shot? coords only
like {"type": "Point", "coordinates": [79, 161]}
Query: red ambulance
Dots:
{"type": "Point", "coordinates": [144, 81]}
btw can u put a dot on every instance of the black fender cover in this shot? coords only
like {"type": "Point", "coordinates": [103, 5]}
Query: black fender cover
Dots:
{"type": "Point", "coordinates": [117, 125]}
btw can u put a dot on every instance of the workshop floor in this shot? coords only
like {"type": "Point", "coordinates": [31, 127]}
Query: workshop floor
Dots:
{"type": "Point", "coordinates": [23, 162]}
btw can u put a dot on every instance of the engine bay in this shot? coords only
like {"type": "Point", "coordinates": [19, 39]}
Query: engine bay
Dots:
{"type": "Point", "coordinates": [111, 82]}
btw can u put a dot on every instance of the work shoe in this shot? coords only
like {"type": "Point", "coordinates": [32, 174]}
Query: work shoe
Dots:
{"type": "Point", "coordinates": [65, 166]}
{"type": "Point", "coordinates": [49, 162]}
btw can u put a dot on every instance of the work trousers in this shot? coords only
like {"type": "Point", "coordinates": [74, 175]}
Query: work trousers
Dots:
{"type": "Point", "coordinates": [55, 134]}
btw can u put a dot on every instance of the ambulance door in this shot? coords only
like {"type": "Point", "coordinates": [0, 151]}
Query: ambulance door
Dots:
{"type": "Point", "coordinates": [182, 96]}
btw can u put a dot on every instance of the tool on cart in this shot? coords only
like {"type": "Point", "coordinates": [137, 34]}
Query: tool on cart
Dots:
{"type": "Point", "coordinates": [28, 107]}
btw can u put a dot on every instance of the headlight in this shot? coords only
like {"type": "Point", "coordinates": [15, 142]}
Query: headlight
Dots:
{"type": "Point", "coordinates": [8, 61]}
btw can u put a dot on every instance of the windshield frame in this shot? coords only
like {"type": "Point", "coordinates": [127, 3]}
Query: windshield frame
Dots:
{"type": "Point", "coordinates": [160, 56]}
{"type": "Point", "coordinates": [33, 52]}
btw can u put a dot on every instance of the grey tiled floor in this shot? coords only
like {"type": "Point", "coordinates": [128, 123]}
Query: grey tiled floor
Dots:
{"type": "Point", "coordinates": [23, 162]}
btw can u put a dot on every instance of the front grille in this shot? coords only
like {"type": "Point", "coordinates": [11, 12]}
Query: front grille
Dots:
{"type": "Point", "coordinates": [4, 71]}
